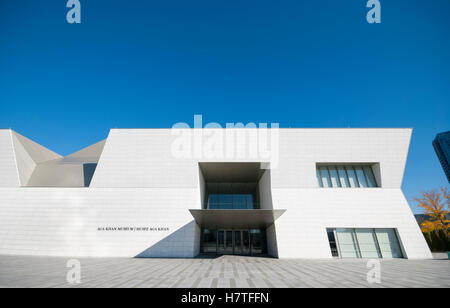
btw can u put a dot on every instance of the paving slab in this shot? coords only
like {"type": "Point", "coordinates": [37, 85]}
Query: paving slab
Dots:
{"type": "Point", "coordinates": [220, 272]}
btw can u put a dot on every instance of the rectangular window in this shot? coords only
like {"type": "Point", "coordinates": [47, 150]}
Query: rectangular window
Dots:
{"type": "Point", "coordinates": [367, 243]}
{"type": "Point", "coordinates": [346, 176]}
{"type": "Point", "coordinates": [319, 177]}
{"type": "Point", "coordinates": [352, 177]}
{"type": "Point", "coordinates": [389, 246]}
{"type": "Point", "coordinates": [335, 182]}
{"type": "Point", "coordinates": [364, 243]}
{"type": "Point", "coordinates": [347, 243]}
{"type": "Point", "coordinates": [332, 240]}
{"type": "Point", "coordinates": [230, 201]}
{"type": "Point", "coordinates": [343, 177]}
{"type": "Point", "coordinates": [325, 177]}
{"type": "Point", "coordinates": [361, 177]}
{"type": "Point", "coordinates": [370, 177]}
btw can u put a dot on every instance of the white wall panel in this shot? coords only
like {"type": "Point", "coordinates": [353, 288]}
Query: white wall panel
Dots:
{"type": "Point", "coordinates": [144, 158]}
{"type": "Point", "coordinates": [65, 222]}
{"type": "Point", "coordinates": [301, 231]}
{"type": "Point", "coordinates": [9, 176]}
{"type": "Point", "coordinates": [36, 151]}
{"type": "Point", "coordinates": [139, 183]}
{"type": "Point", "coordinates": [25, 164]}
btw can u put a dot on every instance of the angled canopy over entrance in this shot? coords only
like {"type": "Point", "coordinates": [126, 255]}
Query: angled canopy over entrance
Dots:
{"type": "Point", "coordinates": [236, 219]}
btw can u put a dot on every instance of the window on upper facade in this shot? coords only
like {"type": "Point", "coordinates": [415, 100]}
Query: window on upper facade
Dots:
{"type": "Point", "coordinates": [354, 175]}
{"type": "Point", "coordinates": [231, 201]}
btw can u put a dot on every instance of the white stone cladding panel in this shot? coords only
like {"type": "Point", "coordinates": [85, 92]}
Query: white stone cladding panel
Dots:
{"type": "Point", "coordinates": [301, 231]}
{"type": "Point", "coordinates": [265, 191]}
{"type": "Point", "coordinates": [64, 222]}
{"type": "Point", "coordinates": [271, 235]}
{"type": "Point", "coordinates": [301, 149]}
{"type": "Point", "coordinates": [25, 163]}
{"type": "Point", "coordinates": [140, 159]}
{"type": "Point", "coordinates": [9, 176]}
{"type": "Point", "coordinates": [144, 158]}
{"type": "Point", "coordinates": [138, 182]}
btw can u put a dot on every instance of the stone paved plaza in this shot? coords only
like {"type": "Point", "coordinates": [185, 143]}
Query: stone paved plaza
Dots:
{"type": "Point", "coordinates": [225, 271]}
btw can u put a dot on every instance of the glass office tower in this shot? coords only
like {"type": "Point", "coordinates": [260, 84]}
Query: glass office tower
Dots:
{"type": "Point", "coordinates": [441, 145]}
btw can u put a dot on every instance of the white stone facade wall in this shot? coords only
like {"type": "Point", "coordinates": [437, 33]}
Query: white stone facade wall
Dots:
{"type": "Point", "coordinates": [301, 231]}
{"type": "Point", "coordinates": [272, 245]}
{"type": "Point", "coordinates": [9, 176]}
{"type": "Point", "coordinates": [65, 222]}
{"type": "Point", "coordinates": [139, 183]}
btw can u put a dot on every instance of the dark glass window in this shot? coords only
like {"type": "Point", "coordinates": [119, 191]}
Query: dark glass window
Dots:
{"type": "Point", "coordinates": [231, 201]}
{"type": "Point", "coordinates": [250, 202]}
{"type": "Point", "coordinates": [209, 241]}
{"type": "Point", "coordinates": [88, 171]}
{"type": "Point", "coordinates": [333, 245]}
{"type": "Point", "coordinates": [258, 242]}
{"type": "Point", "coordinates": [238, 242]}
{"type": "Point", "coordinates": [239, 202]}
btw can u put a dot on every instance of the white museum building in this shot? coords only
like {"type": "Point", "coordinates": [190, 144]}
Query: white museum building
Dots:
{"type": "Point", "coordinates": [187, 192]}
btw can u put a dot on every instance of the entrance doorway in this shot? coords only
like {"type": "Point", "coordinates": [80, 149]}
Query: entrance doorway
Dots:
{"type": "Point", "coordinates": [234, 242]}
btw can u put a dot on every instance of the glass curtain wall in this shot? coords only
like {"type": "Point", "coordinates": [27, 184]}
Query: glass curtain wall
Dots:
{"type": "Point", "coordinates": [230, 201]}
{"type": "Point", "coordinates": [239, 196]}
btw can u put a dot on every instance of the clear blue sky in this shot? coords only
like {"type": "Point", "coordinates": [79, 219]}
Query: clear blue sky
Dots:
{"type": "Point", "coordinates": [298, 63]}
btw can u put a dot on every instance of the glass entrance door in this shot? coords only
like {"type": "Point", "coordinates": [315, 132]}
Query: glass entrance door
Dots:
{"type": "Point", "coordinates": [238, 242]}
{"type": "Point", "coordinates": [245, 242]}
{"type": "Point", "coordinates": [256, 242]}
{"type": "Point", "coordinates": [220, 241]}
{"type": "Point", "coordinates": [233, 242]}
{"type": "Point", "coordinates": [228, 242]}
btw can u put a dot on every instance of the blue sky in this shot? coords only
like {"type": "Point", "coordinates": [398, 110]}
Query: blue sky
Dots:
{"type": "Point", "coordinates": [298, 63]}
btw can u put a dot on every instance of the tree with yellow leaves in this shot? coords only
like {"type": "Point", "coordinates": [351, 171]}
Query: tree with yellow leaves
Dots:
{"type": "Point", "coordinates": [435, 203]}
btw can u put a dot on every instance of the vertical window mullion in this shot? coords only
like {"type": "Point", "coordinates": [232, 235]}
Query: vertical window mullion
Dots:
{"type": "Point", "coordinates": [329, 176]}
{"type": "Point", "coordinates": [337, 244]}
{"type": "Point", "coordinates": [356, 177]}
{"type": "Point", "coordinates": [338, 177]}
{"type": "Point", "coordinates": [346, 176]}
{"type": "Point", "coordinates": [319, 176]}
{"type": "Point", "coordinates": [357, 243]}
{"type": "Point", "coordinates": [365, 176]}
{"type": "Point", "coordinates": [378, 244]}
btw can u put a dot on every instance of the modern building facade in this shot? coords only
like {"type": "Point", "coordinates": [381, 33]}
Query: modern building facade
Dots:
{"type": "Point", "coordinates": [287, 193]}
{"type": "Point", "coordinates": [441, 145]}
